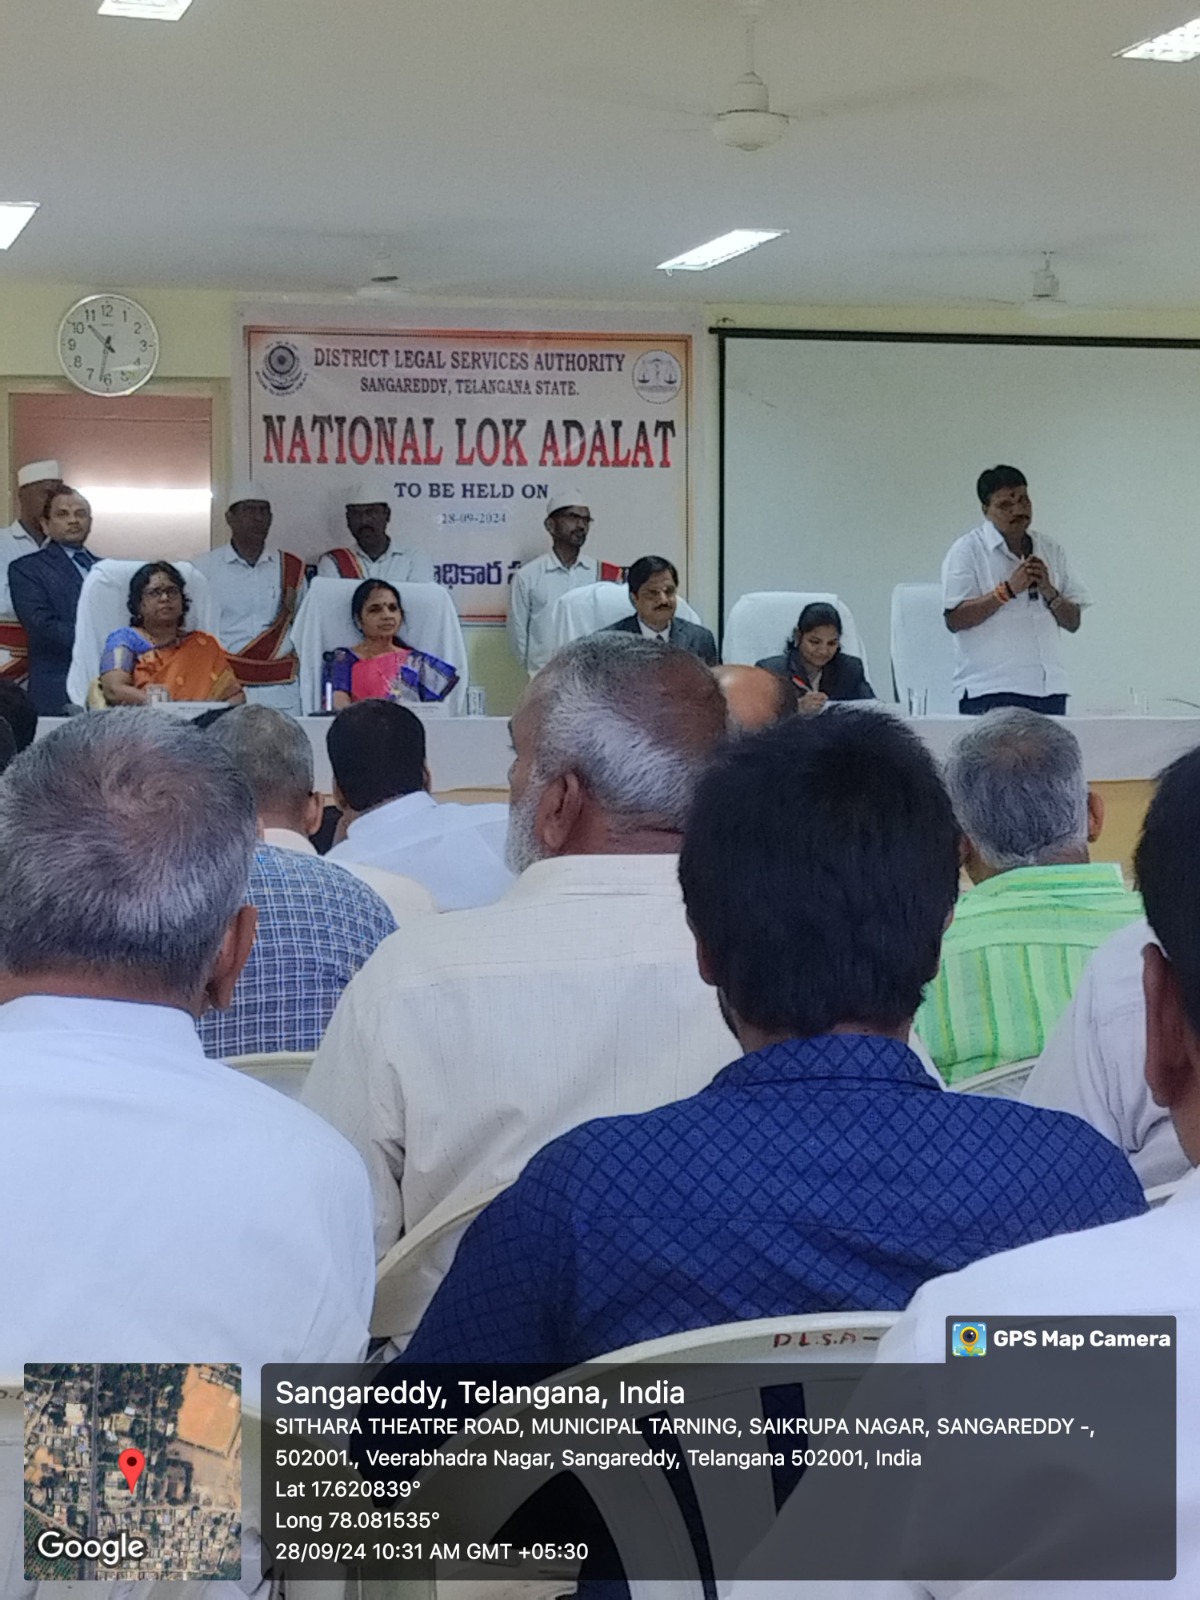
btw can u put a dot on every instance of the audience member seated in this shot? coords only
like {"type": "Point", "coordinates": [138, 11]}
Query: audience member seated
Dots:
{"type": "Point", "coordinates": [45, 595]}
{"type": "Point", "coordinates": [158, 652]}
{"type": "Point", "coordinates": [755, 698]}
{"type": "Point", "coordinates": [382, 782]}
{"type": "Point", "coordinates": [456, 1054]}
{"type": "Point", "coordinates": [1146, 1267]}
{"type": "Point", "coordinates": [815, 662]}
{"type": "Point", "coordinates": [272, 752]}
{"type": "Point", "coordinates": [382, 666]}
{"type": "Point", "coordinates": [18, 721]}
{"type": "Point", "coordinates": [654, 590]}
{"type": "Point", "coordinates": [316, 928]}
{"type": "Point", "coordinates": [823, 1171]}
{"type": "Point", "coordinates": [1023, 934]}
{"type": "Point", "coordinates": [19, 711]}
{"type": "Point", "coordinates": [157, 1204]}
{"type": "Point", "coordinates": [1094, 1062]}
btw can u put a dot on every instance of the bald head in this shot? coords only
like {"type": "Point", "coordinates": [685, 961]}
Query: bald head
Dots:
{"type": "Point", "coordinates": [611, 738]}
{"type": "Point", "coordinates": [755, 697]}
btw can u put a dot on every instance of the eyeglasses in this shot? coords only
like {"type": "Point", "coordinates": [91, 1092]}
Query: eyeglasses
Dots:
{"type": "Point", "coordinates": [164, 593]}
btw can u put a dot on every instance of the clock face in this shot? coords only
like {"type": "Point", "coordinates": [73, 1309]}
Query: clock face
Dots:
{"type": "Point", "coordinates": [108, 344]}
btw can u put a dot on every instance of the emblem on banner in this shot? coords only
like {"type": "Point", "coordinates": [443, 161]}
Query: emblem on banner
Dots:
{"type": "Point", "coordinates": [282, 371]}
{"type": "Point", "coordinates": [657, 376]}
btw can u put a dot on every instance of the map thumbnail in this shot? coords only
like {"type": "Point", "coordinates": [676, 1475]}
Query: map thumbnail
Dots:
{"type": "Point", "coordinates": [133, 1471]}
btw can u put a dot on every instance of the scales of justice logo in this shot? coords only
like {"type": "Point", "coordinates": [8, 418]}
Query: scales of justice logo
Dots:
{"type": "Point", "coordinates": [657, 376]}
{"type": "Point", "coordinates": [282, 370]}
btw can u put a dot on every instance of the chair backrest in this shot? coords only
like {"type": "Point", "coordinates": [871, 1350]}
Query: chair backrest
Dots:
{"type": "Point", "coordinates": [760, 624]}
{"type": "Point", "coordinates": [104, 607]}
{"type": "Point", "coordinates": [284, 1070]}
{"type": "Point", "coordinates": [323, 623]}
{"type": "Point", "coordinates": [408, 1276]}
{"type": "Point", "coordinates": [643, 1517]}
{"type": "Point", "coordinates": [595, 606]}
{"type": "Point", "coordinates": [922, 648]}
{"type": "Point", "coordinates": [1003, 1083]}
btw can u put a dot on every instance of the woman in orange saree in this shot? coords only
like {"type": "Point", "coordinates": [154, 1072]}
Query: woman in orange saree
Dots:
{"type": "Point", "coordinates": [157, 650]}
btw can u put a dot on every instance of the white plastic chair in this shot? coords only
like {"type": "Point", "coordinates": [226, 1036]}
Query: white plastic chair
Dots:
{"type": "Point", "coordinates": [408, 1276]}
{"type": "Point", "coordinates": [284, 1070]}
{"type": "Point", "coordinates": [761, 623]}
{"type": "Point", "coordinates": [104, 607]}
{"type": "Point", "coordinates": [1002, 1083]}
{"type": "Point", "coordinates": [324, 623]}
{"type": "Point", "coordinates": [922, 649]}
{"type": "Point", "coordinates": [642, 1514]}
{"type": "Point", "coordinates": [595, 606]}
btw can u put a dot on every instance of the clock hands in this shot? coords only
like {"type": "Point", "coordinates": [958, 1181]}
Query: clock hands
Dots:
{"type": "Point", "coordinates": [109, 349]}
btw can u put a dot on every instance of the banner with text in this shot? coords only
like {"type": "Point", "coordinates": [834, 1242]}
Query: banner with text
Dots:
{"type": "Point", "coordinates": [468, 435]}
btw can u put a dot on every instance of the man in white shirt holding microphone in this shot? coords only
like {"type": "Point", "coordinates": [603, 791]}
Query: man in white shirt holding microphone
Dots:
{"type": "Point", "coordinates": [1006, 593]}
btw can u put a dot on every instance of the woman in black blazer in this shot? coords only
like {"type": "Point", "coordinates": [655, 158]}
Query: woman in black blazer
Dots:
{"type": "Point", "coordinates": [814, 661]}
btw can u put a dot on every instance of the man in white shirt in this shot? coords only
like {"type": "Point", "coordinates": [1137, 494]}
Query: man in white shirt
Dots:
{"type": "Point", "coordinates": [1146, 1266]}
{"type": "Point", "coordinates": [382, 782]}
{"type": "Point", "coordinates": [467, 1042]}
{"type": "Point", "coordinates": [159, 1207]}
{"type": "Point", "coordinates": [1094, 1063]}
{"type": "Point", "coordinates": [256, 593]}
{"type": "Point", "coordinates": [273, 754]}
{"type": "Point", "coordinates": [539, 583]}
{"type": "Point", "coordinates": [368, 513]}
{"type": "Point", "coordinates": [1006, 592]}
{"type": "Point", "coordinates": [35, 480]}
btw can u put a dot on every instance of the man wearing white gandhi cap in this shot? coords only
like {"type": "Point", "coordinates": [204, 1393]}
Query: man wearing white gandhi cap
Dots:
{"type": "Point", "coordinates": [34, 483]}
{"type": "Point", "coordinates": [540, 582]}
{"type": "Point", "coordinates": [373, 555]}
{"type": "Point", "coordinates": [256, 591]}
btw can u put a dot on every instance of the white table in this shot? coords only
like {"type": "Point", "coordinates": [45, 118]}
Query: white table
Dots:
{"type": "Point", "coordinates": [1115, 749]}
{"type": "Point", "coordinates": [463, 752]}
{"type": "Point", "coordinates": [474, 752]}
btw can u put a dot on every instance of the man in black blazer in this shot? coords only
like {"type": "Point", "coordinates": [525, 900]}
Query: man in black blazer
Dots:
{"type": "Point", "coordinates": [45, 594]}
{"type": "Point", "coordinates": [654, 590]}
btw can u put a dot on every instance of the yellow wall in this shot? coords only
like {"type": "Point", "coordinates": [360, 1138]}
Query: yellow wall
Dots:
{"type": "Point", "coordinates": [196, 329]}
{"type": "Point", "coordinates": [195, 326]}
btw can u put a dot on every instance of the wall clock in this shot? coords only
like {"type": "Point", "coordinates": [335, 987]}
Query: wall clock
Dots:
{"type": "Point", "coordinates": [108, 344]}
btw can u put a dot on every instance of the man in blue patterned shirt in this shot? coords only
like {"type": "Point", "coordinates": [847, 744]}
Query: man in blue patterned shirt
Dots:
{"type": "Point", "coordinates": [316, 926]}
{"type": "Point", "coordinates": [824, 1170]}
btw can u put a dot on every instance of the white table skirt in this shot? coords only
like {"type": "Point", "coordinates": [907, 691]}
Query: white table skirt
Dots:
{"type": "Point", "coordinates": [1114, 748]}
{"type": "Point", "coordinates": [463, 752]}
{"type": "Point", "coordinates": [474, 752]}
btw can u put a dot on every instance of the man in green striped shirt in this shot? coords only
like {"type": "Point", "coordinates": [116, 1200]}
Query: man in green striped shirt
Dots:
{"type": "Point", "coordinates": [1023, 934]}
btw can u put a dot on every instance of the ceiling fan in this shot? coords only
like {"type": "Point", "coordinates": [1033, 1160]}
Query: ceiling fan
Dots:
{"type": "Point", "coordinates": [747, 122]}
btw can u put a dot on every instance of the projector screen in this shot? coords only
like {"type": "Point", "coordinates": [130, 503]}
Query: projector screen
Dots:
{"type": "Point", "coordinates": [850, 466]}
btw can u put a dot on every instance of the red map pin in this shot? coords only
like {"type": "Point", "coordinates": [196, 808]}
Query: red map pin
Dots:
{"type": "Point", "coordinates": [132, 1464]}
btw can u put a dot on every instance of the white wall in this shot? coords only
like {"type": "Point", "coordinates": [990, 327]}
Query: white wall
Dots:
{"type": "Point", "coordinates": [850, 466]}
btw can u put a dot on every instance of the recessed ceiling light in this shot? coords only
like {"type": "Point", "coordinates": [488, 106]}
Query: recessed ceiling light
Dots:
{"type": "Point", "coordinates": [722, 249]}
{"type": "Point", "coordinates": [14, 214]}
{"type": "Point", "coordinates": [1181, 44]}
{"type": "Point", "coordinates": [159, 10]}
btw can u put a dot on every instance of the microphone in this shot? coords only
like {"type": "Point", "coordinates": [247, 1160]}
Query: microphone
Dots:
{"type": "Point", "coordinates": [1027, 550]}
